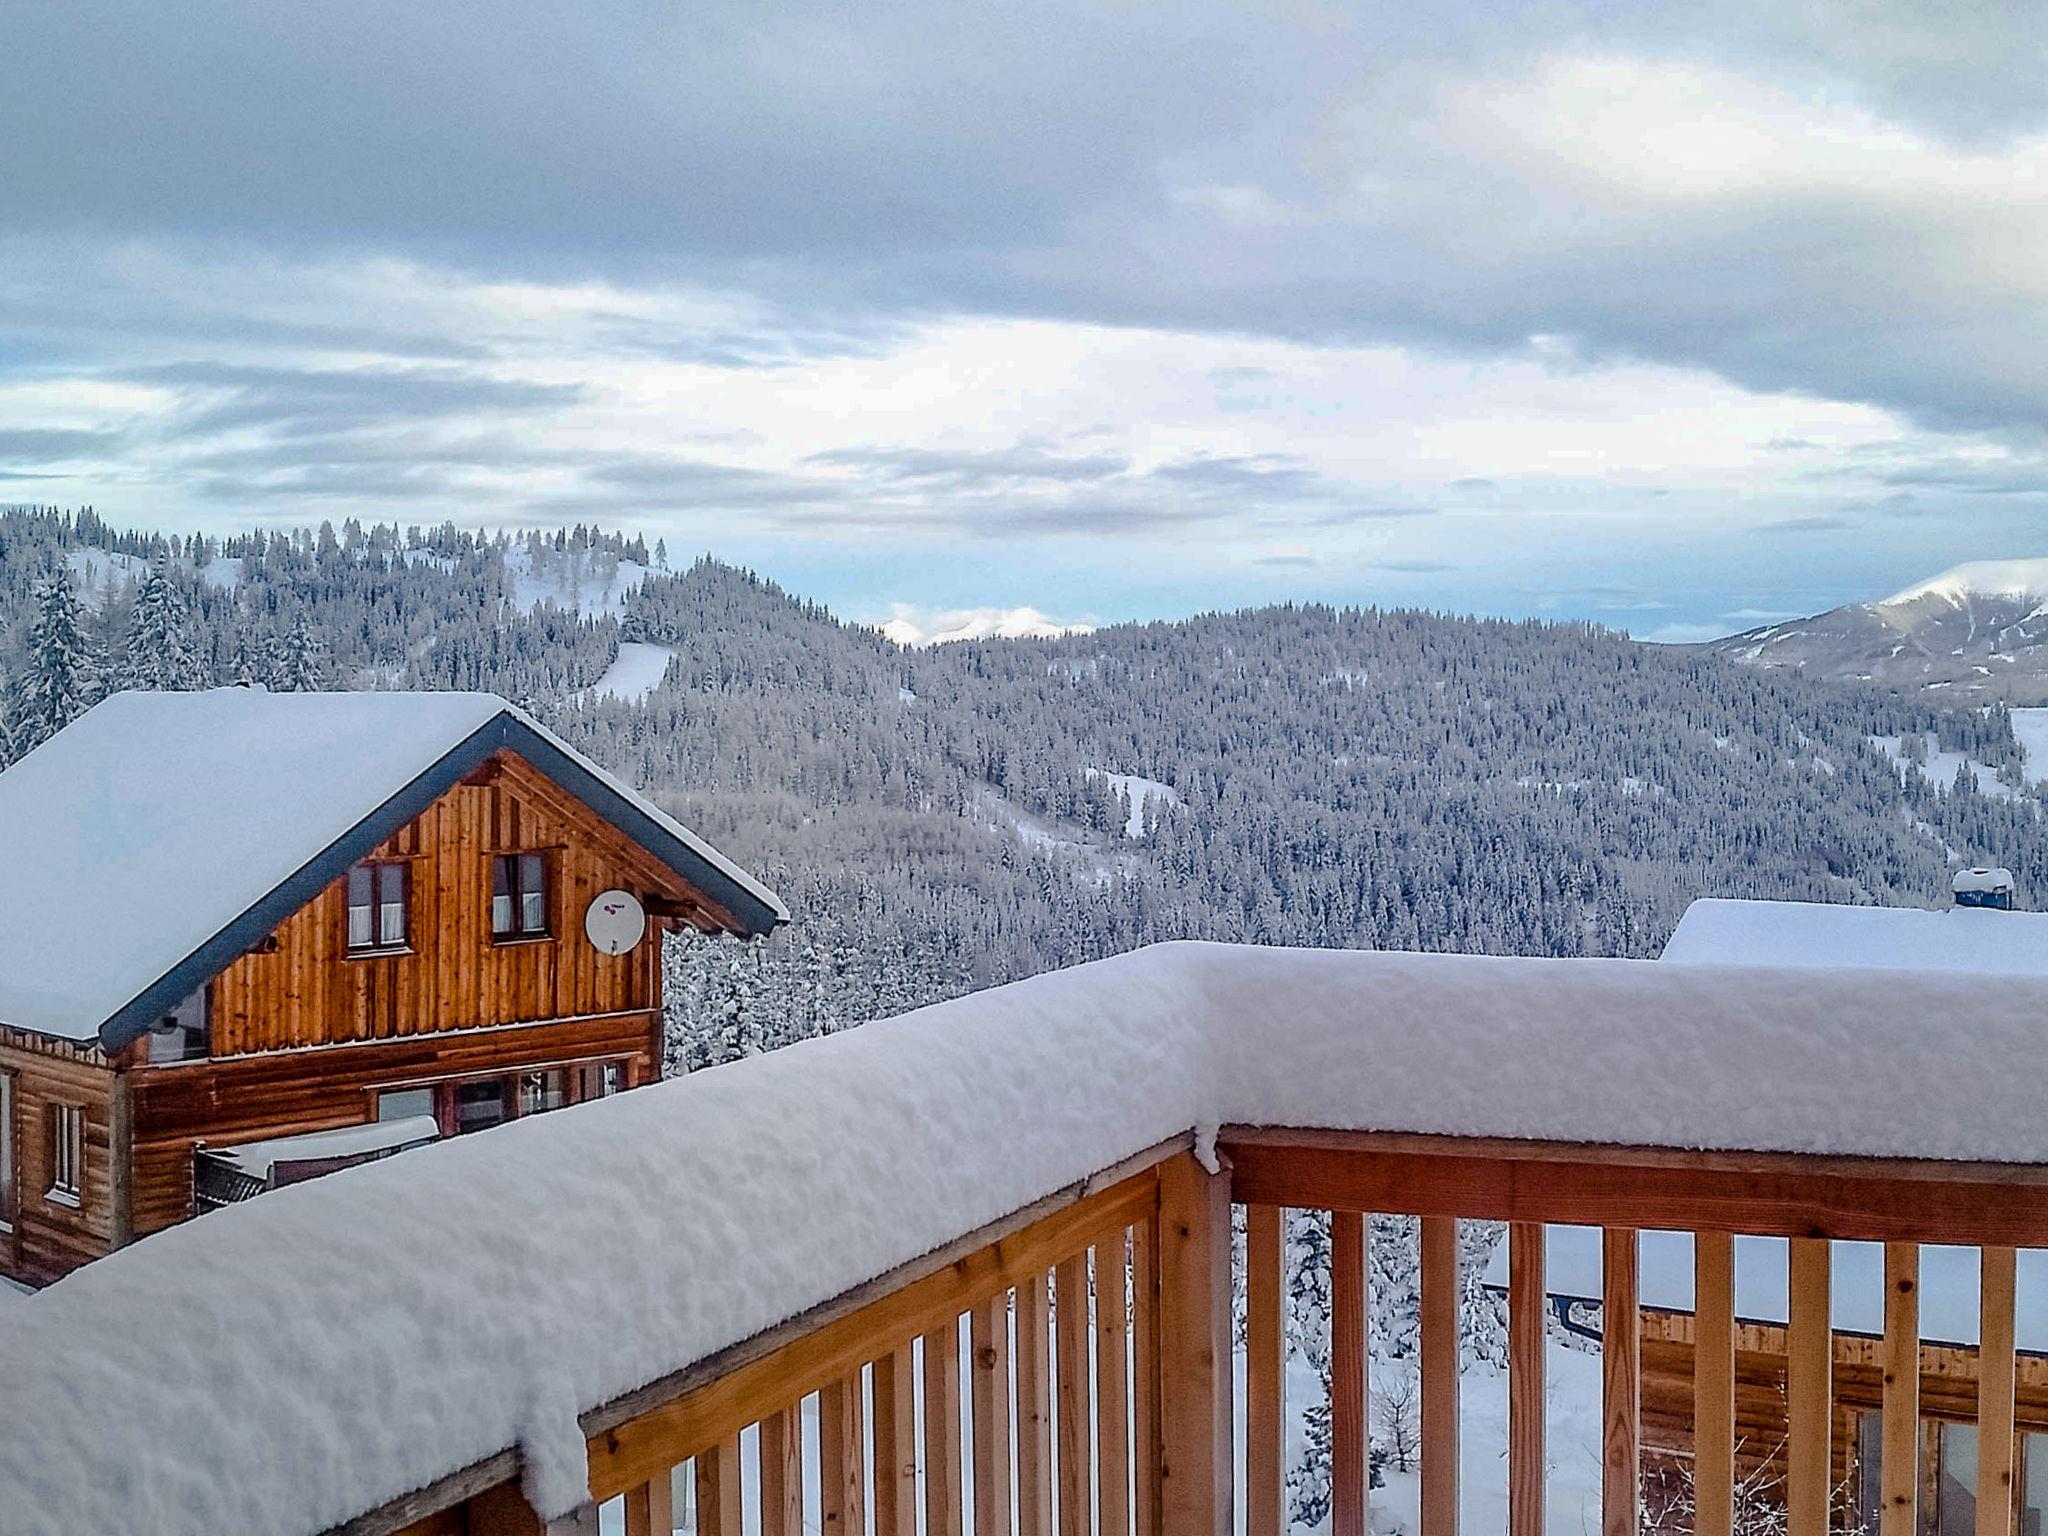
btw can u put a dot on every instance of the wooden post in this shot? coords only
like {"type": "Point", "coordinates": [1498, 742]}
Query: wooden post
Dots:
{"type": "Point", "coordinates": [942, 1516]}
{"type": "Point", "coordinates": [1995, 1371]}
{"type": "Point", "coordinates": [782, 1475]}
{"type": "Point", "coordinates": [1899, 1473]}
{"type": "Point", "coordinates": [1809, 1389]}
{"type": "Point", "coordinates": [989, 1339]}
{"type": "Point", "coordinates": [1112, 1394]}
{"type": "Point", "coordinates": [1070, 1328]}
{"type": "Point", "coordinates": [650, 1508]}
{"type": "Point", "coordinates": [1145, 1373]}
{"type": "Point", "coordinates": [895, 1436]}
{"type": "Point", "coordinates": [1527, 1305]}
{"type": "Point", "coordinates": [1350, 1387]}
{"type": "Point", "coordinates": [1265, 1368]}
{"type": "Point", "coordinates": [840, 1441]}
{"type": "Point", "coordinates": [1439, 1510]}
{"type": "Point", "coordinates": [1195, 1496]}
{"type": "Point", "coordinates": [718, 1489]}
{"type": "Point", "coordinates": [1034, 1410]}
{"type": "Point", "coordinates": [1713, 1384]}
{"type": "Point", "coordinates": [1621, 1348]}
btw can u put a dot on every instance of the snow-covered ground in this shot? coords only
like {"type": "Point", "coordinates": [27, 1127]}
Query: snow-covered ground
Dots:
{"type": "Point", "coordinates": [589, 582]}
{"type": "Point", "coordinates": [1141, 793]}
{"type": "Point", "coordinates": [2030, 729]}
{"type": "Point", "coordinates": [635, 672]}
{"type": "Point", "coordinates": [1938, 767]}
{"type": "Point", "coordinates": [223, 573]}
{"type": "Point", "coordinates": [100, 574]}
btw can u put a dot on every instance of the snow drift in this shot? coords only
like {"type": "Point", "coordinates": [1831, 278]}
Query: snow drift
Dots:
{"type": "Point", "coordinates": [279, 1366]}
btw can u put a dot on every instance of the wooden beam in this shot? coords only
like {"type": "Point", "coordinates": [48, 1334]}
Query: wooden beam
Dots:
{"type": "Point", "coordinates": [1995, 1386]}
{"type": "Point", "coordinates": [718, 1490]}
{"type": "Point", "coordinates": [1265, 1371]}
{"type": "Point", "coordinates": [989, 1344]}
{"type": "Point", "coordinates": [1440, 1427]}
{"type": "Point", "coordinates": [1713, 1386]}
{"type": "Point", "coordinates": [1070, 1327]}
{"type": "Point", "coordinates": [1528, 1304]}
{"type": "Point", "coordinates": [1194, 1350]}
{"type": "Point", "coordinates": [841, 1436]}
{"type": "Point", "coordinates": [1776, 1194]}
{"type": "Point", "coordinates": [1034, 1408]}
{"type": "Point", "coordinates": [942, 1490]}
{"type": "Point", "coordinates": [1809, 1389]}
{"type": "Point", "coordinates": [895, 1437]}
{"type": "Point", "coordinates": [1899, 1474]}
{"type": "Point", "coordinates": [1350, 1386]}
{"type": "Point", "coordinates": [1112, 1392]}
{"type": "Point", "coordinates": [1621, 1389]}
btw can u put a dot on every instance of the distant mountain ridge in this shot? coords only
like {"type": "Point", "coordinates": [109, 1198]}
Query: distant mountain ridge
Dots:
{"type": "Point", "coordinates": [1977, 632]}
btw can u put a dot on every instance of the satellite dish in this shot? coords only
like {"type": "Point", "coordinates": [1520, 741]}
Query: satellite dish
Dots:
{"type": "Point", "coordinates": [615, 922]}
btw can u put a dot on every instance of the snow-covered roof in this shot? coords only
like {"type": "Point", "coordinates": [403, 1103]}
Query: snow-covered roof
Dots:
{"type": "Point", "coordinates": [620, 1241]}
{"type": "Point", "coordinates": [158, 835]}
{"type": "Point", "coordinates": [1949, 1290]}
{"type": "Point", "coordinates": [1978, 939]}
{"type": "Point", "coordinates": [258, 1158]}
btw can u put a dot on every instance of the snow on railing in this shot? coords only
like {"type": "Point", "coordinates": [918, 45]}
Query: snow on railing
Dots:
{"type": "Point", "coordinates": [283, 1366]}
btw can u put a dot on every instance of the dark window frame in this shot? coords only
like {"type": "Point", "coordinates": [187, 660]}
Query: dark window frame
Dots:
{"type": "Point", "coordinates": [377, 872]}
{"type": "Point", "coordinates": [518, 873]}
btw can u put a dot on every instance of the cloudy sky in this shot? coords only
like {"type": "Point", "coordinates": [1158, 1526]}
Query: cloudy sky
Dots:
{"type": "Point", "coordinates": [1671, 316]}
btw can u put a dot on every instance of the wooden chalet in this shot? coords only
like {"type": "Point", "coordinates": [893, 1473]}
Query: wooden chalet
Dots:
{"type": "Point", "coordinates": [247, 938]}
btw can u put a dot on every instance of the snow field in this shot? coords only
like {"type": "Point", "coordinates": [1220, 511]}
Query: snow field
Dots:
{"type": "Point", "coordinates": [635, 672]}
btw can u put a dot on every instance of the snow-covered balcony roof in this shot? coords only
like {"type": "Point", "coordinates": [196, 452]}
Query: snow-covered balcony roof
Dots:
{"type": "Point", "coordinates": [281, 1366]}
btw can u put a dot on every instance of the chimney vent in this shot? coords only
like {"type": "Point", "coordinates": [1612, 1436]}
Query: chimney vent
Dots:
{"type": "Point", "coordinates": [1984, 888]}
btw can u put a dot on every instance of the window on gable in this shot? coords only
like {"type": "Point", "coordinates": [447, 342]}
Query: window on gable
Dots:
{"type": "Point", "coordinates": [377, 906]}
{"type": "Point", "coordinates": [519, 895]}
{"type": "Point", "coordinates": [67, 1153]}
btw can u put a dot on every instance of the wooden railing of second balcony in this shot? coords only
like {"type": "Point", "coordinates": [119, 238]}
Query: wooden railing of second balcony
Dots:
{"type": "Point", "coordinates": [1070, 1370]}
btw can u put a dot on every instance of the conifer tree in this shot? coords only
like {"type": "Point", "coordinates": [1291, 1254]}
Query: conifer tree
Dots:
{"type": "Point", "coordinates": [161, 654]}
{"type": "Point", "coordinates": [57, 681]}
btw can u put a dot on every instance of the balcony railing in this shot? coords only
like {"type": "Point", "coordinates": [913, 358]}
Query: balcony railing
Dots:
{"type": "Point", "coordinates": [1072, 1367]}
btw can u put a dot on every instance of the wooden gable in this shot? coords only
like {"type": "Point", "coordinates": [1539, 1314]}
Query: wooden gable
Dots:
{"type": "Point", "coordinates": [307, 988]}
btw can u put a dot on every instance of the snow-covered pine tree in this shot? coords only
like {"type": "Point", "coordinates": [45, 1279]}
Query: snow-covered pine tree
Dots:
{"type": "Point", "coordinates": [160, 653]}
{"type": "Point", "coordinates": [297, 662]}
{"type": "Point", "coordinates": [1308, 1336]}
{"type": "Point", "coordinates": [58, 679]}
{"type": "Point", "coordinates": [1482, 1314]}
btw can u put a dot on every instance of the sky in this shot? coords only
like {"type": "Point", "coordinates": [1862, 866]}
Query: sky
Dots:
{"type": "Point", "coordinates": [1677, 317]}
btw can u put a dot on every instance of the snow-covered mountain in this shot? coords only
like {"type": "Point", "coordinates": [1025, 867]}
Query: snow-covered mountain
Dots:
{"type": "Point", "coordinates": [1979, 630]}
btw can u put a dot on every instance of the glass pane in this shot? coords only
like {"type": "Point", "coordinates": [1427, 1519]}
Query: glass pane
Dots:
{"type": "Point", "coordinates": [501, 875]}
{"type": "Point", "coordinates": [533, 911]}
{"type": "Point", "coordinates": [6, 1147]}
{"type": "Point", "coordinates": [391, 900]}
{"type": "Point", "coordinates": [404, 1103]}
{"type": "Point", "coordinates": [479, 1106]}
{"type": "Point", "coordinates": [501, 914]}
{"type": "Point", "coordinates": [2034, 1487]}
{"type": "Point", "coordinates": [360, 932]}
{"type": "Point", "coordinates": [359, 886]}
{"type": "Point", "coordinates": [1955, 1502]}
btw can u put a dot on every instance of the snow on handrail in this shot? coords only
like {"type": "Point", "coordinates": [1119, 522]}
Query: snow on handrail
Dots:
{"type": "Point", "coordinates": [282, 1366]}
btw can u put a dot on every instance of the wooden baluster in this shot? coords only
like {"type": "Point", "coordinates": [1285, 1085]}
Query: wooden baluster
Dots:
{"type": "Point", "coordinates": [1195, 1458]}
{"type": "Point", "coordinates": [942, 1516]}
{"type": "Point", "coordinates": [1621, 1347]}
{"type": "Point", "coordinates": [1713, 1384]}
{"type": "Point", "coordinates": [1112, 1392]}
{"type": "Point", "coordinates": [989, 1340]}
{"type": "Point", "coordinates": [718, 1490]}
{"type": "Point", "coordinates": [895, 1437]}
{"type": "Point", "coordinates": [782, 1474]}
{"type": "Point", "coordinates": [1995, 1373]}
{"type": "Point", "coordinates": [1265, 1371]}
{"type": "Point", "coordinates": [1899, 1474]}
{"type": "Point", "coordinates": [1070, 1353]}
{"type": "Point", "coordinates": [650, 1508]}
{"type": "Point", "coordinates": [1809, 1389]}
{"type": "Point", "coordinates": [1439, 1502]}
{"type": "Point", "coordinates": [1350, 1389]}
{"type": "Point", "coordinates": [1527, 1304]}
{"type": "Point", "coordinates": [1034, 1411]}
{"type": "Point", "coordinates": [843, 1509]}
{"type": "Point", "coordinates": [1145, 1374]}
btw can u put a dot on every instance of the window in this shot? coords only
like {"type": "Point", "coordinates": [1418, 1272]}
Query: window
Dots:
{"type": "Point", "coordinates": [600, 1081]}
{"type": "Point", "coordinates": [67, 1153]}
{"type": "Point", "coordinates": [8, 1197]}
{"type": "Point", "coordinates": [542, 1091]}
{"type": "Point", "coordinates": [181, 1034]}
{"type": "Point", "coordinates": [479, 1106]}
{"type": "Point", "coordinates": [405, 1103]}
{"type": "Point", "coordinates": [519, 895]}
{"type": "Point", "coordinates": [376, 906]}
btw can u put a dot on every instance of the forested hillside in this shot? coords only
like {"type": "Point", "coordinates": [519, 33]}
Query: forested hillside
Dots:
{"type": "Point", "coordinates": [948, 818]}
